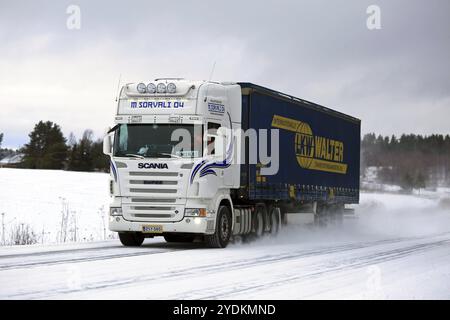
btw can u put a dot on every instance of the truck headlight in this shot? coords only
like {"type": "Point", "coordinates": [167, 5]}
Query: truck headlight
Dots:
{"type": "Point", "coordinates": [195, 212]}
{"type": "Point", "coordinates": [115, 211]}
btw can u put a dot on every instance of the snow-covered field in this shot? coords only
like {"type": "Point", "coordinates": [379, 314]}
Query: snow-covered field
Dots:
{"type": "Point", "coordinates": [39, 198]}
{"type": "Point", "coordinates": [396, 247]}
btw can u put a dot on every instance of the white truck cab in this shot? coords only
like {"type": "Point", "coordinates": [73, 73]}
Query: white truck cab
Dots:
{"type": "Point", "coordinates": [172, 162]}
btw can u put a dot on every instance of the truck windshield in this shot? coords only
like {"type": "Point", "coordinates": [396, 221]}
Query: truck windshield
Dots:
{"type": "Point", "coordinates": [158, 141]}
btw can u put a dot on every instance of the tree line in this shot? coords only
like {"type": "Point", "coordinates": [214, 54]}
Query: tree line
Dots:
{"type": "Point", "coordinates": [411, 161]}
{"type": "Point", "coordinates": [49, 149]}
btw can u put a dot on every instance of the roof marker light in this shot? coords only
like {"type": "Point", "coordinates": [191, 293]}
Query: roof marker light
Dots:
{"type": "Point", "coordinates": [141, 87]}
{"type": "Point", "coordinates": [161, 88]}
{"type": "Point", "coordinates": [151, 88]}
{"type": "Point", "coordinates": [171, 87]}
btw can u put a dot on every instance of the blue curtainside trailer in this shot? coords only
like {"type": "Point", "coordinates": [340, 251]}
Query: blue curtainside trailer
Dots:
{"type": "Point", "coordinates": [319, 150]}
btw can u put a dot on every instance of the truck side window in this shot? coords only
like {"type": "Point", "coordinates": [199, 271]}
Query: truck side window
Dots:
{"type": "Point", "coordinates": [123, 140]}
{"type": "Point", "coordinates": [212, 129]}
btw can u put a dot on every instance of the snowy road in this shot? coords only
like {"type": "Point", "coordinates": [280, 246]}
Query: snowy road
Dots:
{"type": "Point", "coordinates": [395, 267]}
{"type": "Point", "coordinates": [398, 247]}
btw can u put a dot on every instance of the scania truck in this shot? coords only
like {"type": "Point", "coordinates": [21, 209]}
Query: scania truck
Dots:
{"type": "Point", "coordinates": [214, 161]}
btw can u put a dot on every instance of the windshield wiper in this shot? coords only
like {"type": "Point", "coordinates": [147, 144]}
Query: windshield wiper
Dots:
{"type": "Point", "coordinates": [169, 154]}
{"type": "Point", "coordinates": [162, 155]}
{"type": "Point", "coordinates": [134, 155]}
{"type": "Point", "coordinates": [155, 154]}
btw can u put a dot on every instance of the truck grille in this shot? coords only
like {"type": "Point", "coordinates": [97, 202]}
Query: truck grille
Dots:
{"type": "Point", "coordinates": [153, 200]}
{"type": "Point", "coordinates": [152, 216]}
{"type": "Point", "coordinates": [153, 182]}
{"type": "Point", "coordinates": [143, 190]}
{"type": "Point", "coordinates": [153, 196]}
{"type": "Point", "coordinates": [142, 211]}
{"type": "Point", "coordinates": [146, 184]}
{"type": "Point", "coordinates": [153, 174]}
{"type": "Point", "coordinates": [153, 208]}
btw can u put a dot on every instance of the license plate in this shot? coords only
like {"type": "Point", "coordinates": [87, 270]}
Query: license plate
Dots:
{"type": "Point", "coordinates": [152, 228]}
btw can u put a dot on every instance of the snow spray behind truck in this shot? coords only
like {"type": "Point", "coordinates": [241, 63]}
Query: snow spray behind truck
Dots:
{"type": "Point", "coordinates": [209, 160]}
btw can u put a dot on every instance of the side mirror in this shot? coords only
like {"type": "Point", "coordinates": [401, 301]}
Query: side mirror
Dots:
{"type": "Point", "coordinates": [107, 145]}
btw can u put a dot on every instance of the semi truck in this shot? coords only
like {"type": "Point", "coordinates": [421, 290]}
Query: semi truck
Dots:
{"type": "Point", "coordinates": [215, 161]}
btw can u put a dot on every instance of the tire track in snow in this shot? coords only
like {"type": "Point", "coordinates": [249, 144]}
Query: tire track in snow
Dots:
{"type": "Point", "coordinates": [54, 257]}
{"type": "Point", "coordinates": [337, 266]}
{"type": "Point", "coordinates": [141, 251]}
{"type": "Point", "coordinates": [81, 259]}
{"type": "Point", "coordinates": [56, 252]}
{"type": "Point", "coordinates": [212, 268]}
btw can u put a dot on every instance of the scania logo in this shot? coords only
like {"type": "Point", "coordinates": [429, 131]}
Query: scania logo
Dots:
{"type": "Point", "coordinates": [153, 166]}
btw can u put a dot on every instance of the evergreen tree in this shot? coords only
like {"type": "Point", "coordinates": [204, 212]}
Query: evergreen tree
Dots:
{"type": "Point", "coordinates": [47, 147]}
{"type": "Point", "coordinates": [420, 181]}
{"type": "Point", "coordinates": [73, 158]}
{"type": "Point", "coordinates": [86, 154]}
{"type": "Point", "coordinates": [80, 158]}
{"type": "Point", "coordinates": [407, 182]}
{"type": "Point", "coordinates": [85, 151]}
{"type": "Point", "coordinates": [1, 139]}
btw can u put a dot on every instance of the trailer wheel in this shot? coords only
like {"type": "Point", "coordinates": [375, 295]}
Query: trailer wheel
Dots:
{"type": "Point", "coordinates": [338, 215]}
{"type": "Point", "coordinates": [275, 221]}
{"type": "Point", "coordinates": [178, 238]}
{"type": "Point", "coordinates": [322, 215]}
{"type": "Point", "coordinates": [131, 239]}
{"type": "Point", "coordinates": [221, 236]}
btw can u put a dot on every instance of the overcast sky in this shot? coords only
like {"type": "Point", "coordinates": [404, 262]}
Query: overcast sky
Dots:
{"type": "Point", "coordinates": [396, 79]}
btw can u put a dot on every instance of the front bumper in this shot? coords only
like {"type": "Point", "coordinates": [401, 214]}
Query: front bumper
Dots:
{"type": "Point", "coordinates": [186, 225]}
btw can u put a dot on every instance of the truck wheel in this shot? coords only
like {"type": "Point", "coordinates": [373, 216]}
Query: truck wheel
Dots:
{"type": "Point", "coordinates": [258, 222]}
{"type": "Point", "coordinates": [274, 221]}
{"type": "Point", "coordinates": [221, 237]}
{"type": "Point", "coordinates": [178, 238]}
{"type": "Point", "coordinates": [131, 239]}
